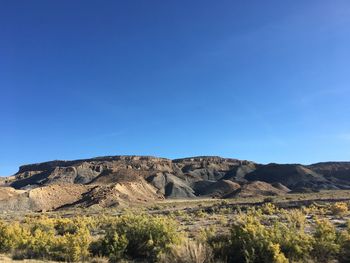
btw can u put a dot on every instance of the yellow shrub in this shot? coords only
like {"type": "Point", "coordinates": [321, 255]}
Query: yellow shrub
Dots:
{"type": "Point", "coordinates": [253, 242]}
{"type": "Point", "coordinates": [146, 236]}
{"type": "Point", "coordinates": [339, 208]}
{"type": "Point", "coordinates": [78, 245]}
{"type": "Point", "coordinates": [12, 236]}
{"type": "Point", "coordinates": [268, 209]}
{"type": "Point", "coordinates": [40, 243]}
{"type": "Point", "coordinates": [326, 245]}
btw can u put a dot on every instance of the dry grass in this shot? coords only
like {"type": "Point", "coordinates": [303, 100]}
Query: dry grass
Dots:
{"type": "Point", "coordinates": [6, 259]}
{"type": "Point", "coordinates": [188, 252]}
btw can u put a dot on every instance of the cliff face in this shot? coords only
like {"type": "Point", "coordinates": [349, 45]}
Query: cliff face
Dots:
{"type": "Point", "coordinates": [160, 172]}
{"type": "Point", "coordinates": [119, 180]}
{"type": "Point", "coordinates": [333, 170]}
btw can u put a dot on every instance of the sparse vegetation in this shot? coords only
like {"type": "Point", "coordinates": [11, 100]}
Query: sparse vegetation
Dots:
{"type": "Point", "coordinates": [339, 208]}
{"type": "Point", "coordinates": [219, 233]}
{"type": "Point", "coordinates": [188, 252]}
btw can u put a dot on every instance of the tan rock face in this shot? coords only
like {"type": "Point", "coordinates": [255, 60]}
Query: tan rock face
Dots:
{"type": "Point", "coordinates": [8, 193]}
{"type": "Point", "coordinates": [121, 180]}
{"type": "Point", "coordinates": [44, 198]}
{"type": "Point", "coordinates": [257, 188]}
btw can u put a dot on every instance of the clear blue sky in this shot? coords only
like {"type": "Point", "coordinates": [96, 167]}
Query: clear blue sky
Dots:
{"type": "Point", "coordinates": [267, 81]}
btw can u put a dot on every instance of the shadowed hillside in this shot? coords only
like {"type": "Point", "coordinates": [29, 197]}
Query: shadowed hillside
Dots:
{"type": "Point", "coordinates": [121, 180]}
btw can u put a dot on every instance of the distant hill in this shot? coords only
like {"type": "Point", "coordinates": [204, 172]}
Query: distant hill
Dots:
{"type": "Point", "coordinates": [333, 170]}
{"type": "Point", "coordinates": [121, 180]}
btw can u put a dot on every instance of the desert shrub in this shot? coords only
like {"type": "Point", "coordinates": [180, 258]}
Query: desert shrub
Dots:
{"type": "Point", "coordinates": [220, 246]}
{"type": "Point", "coordinates": [225, 210]}
{"type": "Point", "coordinates": [326, 241]}
{"type": "Point", "coordinates": [77, 245]}
{"type": "Point", "coordinates": [6, 242]}
{"type": "Point", "coordinates": [314, 209]}
{"type": "Point", "coordinates": [40, 244]}
{"type": "Point", "coordinates": [290, 233]}
{"type": "Point", "coordinates": [112, 245]}
{"type": "Point", "coordinates": [64, 226]}
{"type": "Point", "coordinates": [13, 236]}
{"type": "Point", "coordinates": [206, 233]}
{"type": "Point", "coordinates": [180, 213]}
{"type": "Point", "coordinates": [339, 208]}
{"type": "Point", "coordinates": [295, 218]}
{"type": "Point", "coordinates": [188, 252]}
{"type": "Point", "coordinates": [37, 238]}
{"type": "Point", "coordinates": [40, 222]}
{"type": "Point", "coordinates": [251, 211]}
{"type": "Point", "coordinates": [143, 236]}
{"type": "Point", "coordinates": [155, 207]}
{"type": "Point", "coordinates": [252, 242]}
{"type": "Point", "coordinates": [294, 242]}
{"type": "Point", "coordinates": [186, 217]}
{"type": "Point", "coordinates": [248, 241]}
{"type": "Point", "coordinates": [222, 220]}
{"type": "Point", "coordinates": [200, 213]}
{"type": "Point", "coordinates": [268, 209]}
{"type": "Point", "coordinates": [257, 235]}
{"type": "Point", "coordinates": [344, 253]}
{"type": "Point", "coordinates": [104, 222]}
{"type": "Point", "coordinates": [269, 199]}
{"type": "Point", "coordinates": [224, 202]}
{"type": "Point", "coordinates": [24, 241]}
{"type": "Point", "coordinates": [218, 242]}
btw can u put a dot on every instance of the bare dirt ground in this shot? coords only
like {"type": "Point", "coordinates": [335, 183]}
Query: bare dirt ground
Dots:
{"type": "Point", "coordinates": [6, 259]}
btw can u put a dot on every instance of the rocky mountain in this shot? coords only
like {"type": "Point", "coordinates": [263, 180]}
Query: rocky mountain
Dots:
{"type": "Point", "coordinates": [333, 170]}
{"type": "Point", "coordinates": [121, 180]}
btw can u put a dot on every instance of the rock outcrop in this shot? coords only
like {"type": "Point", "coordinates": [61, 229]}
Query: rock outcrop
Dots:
{"type": "Point", "coordinates": [121, 180]}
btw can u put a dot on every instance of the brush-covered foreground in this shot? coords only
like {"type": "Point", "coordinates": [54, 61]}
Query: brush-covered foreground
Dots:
{"type": "Point", "coordinates": [224, 233]}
